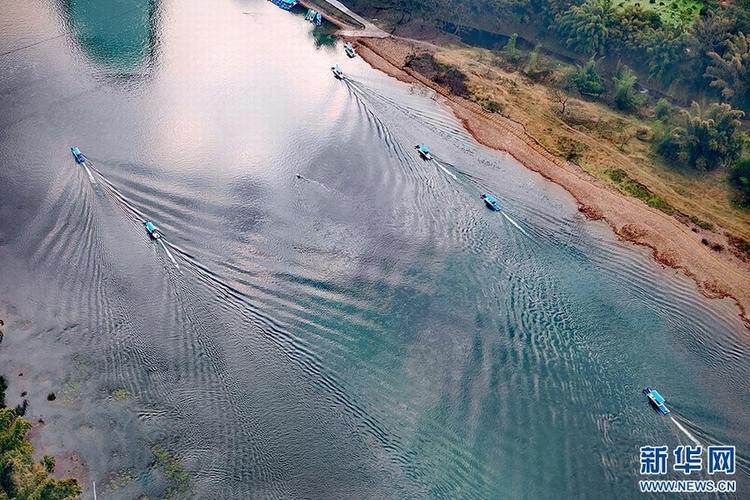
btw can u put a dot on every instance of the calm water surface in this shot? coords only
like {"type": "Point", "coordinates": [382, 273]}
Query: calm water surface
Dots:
{"type": "Point", "coordinates": [365, 330]}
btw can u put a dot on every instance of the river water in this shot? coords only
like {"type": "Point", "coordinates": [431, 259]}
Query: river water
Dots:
{"type": "Point", "coordinates": [367, 329]}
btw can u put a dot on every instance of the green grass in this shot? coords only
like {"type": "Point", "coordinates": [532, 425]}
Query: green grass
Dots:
{"type": "Point", "coordinates": [637, 190]}
{"type": "Point", "coordinates": [701, 223]}
{"type": "Point", "coordinates": [679, 13]}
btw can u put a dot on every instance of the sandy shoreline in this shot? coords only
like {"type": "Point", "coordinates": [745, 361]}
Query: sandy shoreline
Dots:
{"type": "Point", "coordinates": [673, 244]}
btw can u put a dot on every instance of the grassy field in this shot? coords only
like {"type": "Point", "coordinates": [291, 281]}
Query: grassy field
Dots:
{"type": "Point", "coordinates": [611, 146]}
{"type": "Point", "coordinates": [674, 12]}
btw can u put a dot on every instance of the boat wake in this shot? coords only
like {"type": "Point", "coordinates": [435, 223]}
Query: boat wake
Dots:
{"type": "Point", "coordinates": [291, 346]}
{"type": "Point", "coordinates": [445, 170]}
{"type": "Point", "coordinates": [169, 254]}
{"type": "Point", "coordinates": [687, 433]}
{"type": "Point", "coordinates": [514, 223]}
{"type": "Point", "coordinates": [91, 176]}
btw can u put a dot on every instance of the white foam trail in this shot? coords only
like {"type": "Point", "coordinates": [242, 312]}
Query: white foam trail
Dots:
{"type": "Point", "coordinates": [514, 223]}
{"type": "Point", "coordinates": [692, 438]}
{"type": "Point", "coordinates": [94, 483]}
{"type": "Point", "coordinates": [445, 170]}
{"type": "Point", "coordinates": [91, 176]}
{"type": "Point", "coordinates": [169, 254]}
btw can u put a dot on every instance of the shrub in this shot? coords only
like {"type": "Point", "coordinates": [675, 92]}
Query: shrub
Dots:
{"type": "Point", "coordinates": [739, 178]}
{"type": "Point", "coordinates": [587, 79]}
{"type": "Point", "coordinates": [571, 149]}
{"type": "Point", "coordinates": [493, 106]}
{"type": "Point", "coordinates": [511, 52]}
{"type": "Point", "coordinates": [663, 109]}
{"type": "Point", "coordinates": [626, 98]}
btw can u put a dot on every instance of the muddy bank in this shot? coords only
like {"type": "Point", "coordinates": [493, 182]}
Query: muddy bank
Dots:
{"type": "Point", "coordinates": [718, 272]}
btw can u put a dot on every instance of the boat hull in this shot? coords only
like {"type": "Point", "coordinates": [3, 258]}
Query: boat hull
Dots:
{"type": "Point", "coordinates": [656, 400]}
{"type": "Point", "coordinates": [491, 202]}
{"type": "Point", "coordinates": [284, 4]}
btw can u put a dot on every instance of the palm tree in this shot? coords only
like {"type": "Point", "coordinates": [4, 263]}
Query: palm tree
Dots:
{"type": "Point", "coordinates": [731, 72]}
{"type": "Point", "coordinates": [586, 26]}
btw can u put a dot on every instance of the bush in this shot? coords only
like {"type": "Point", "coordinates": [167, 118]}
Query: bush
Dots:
{"type": "Point", "coordinates": [493, 106]}
{"type": "Point", "coordinates": [626, 98]}
{"type": "Point", "coordinates": [701, 223]}
{"type": "Point", "coordinates": [587, 79]}
{"type": "Point", "coordinates": [663, 109]}
{"type": "Point", "coordinates": [571, 149]}
{"type": "Point", "coordinates": [739, 178]}
{"type": "Point", "coordinates": [512, 54]}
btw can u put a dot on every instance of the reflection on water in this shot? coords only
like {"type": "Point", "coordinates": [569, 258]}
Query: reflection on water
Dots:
{"type": "Point", "coordinates": [118, 35]}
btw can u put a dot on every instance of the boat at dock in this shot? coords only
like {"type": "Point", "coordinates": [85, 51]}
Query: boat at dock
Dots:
{"type": "Point", "coordinates": [656, 399]}
{"type": "Point", "coordinates": [423, 151]}
{"type": "Point", "coordinates": [285, 4]}
{"type": "Point", "coordinates": [349, 49]}
{"type": "Point", "coordinates": [337, 72]}
{"type": "Point", "coordinates": [314, 17]}
{"type": "Point", "coordinates": [151, 230]}
{"type": "Point", "coordinates": [491, 202]}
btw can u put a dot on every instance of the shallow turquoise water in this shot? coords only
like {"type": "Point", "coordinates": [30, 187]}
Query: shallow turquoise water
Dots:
{"type": "Point", "coordinates": [368, 330]}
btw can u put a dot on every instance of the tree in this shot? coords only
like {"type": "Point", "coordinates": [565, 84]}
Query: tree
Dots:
{"type": "Point", "coordinates": [739, 177]}
{"type": "Point", "coordinates": [626, 98]}
{"type": "Point", "coordinates": [663, 109]}
{"type": "Point", "coordinates": [731, 72]}
{"type": "Point", "coordinates": [664, 49]}
{"type": "Point", "coordinates": [705, 139]}
{"type": "Point", "coordinates": [532, 66]}
{"type": "Point", "coordinates": [587, 79]}
{"type": "Point", "coordinates": [707, 34]}
{"type": "Point", "coordinates": [562, 98]}
{"type": "Point", "coordinates": [20, 475]}
{"type": "Point", "coordinates": [586, 27]}
{"type": "Point", "coordinates": [511, 52]}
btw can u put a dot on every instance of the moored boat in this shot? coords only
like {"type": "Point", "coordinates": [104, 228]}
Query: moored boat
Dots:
{"type": "Point", "coordinates": [491, 202]}
{"type": "Point", "coordinates": [349, 49]}
{"type": "Point", "coordinates": [285, 4]}
{"type": "Point", "coordinates": [656, 399]}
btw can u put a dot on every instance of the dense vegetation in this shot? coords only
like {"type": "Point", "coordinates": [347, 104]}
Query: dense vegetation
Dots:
{"type": "Point", "coordinates": [694, 53]}
{"type": "Point", "coordinates": [22, 477]}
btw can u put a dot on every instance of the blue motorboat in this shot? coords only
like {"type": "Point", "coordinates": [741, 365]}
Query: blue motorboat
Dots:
{"type": "Point", "coordinates": [78, 155]}
{"type": "Point", "coordinates": [337, 72]}
{"type": "Point", "coordinates": [491, 202]}
{"type": "Point", "coordinates": [285, 4]}
{"type": "Point", "coordinates": [349, 49]}
{"type": "Point", "coordinates": [423, 151]}
{"type": "Point", "coordinates": [656, 399]}
{"type": "Point", "coordinates": [318, 19]}
{"type": "Point", "coordinates": [151, 230]}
